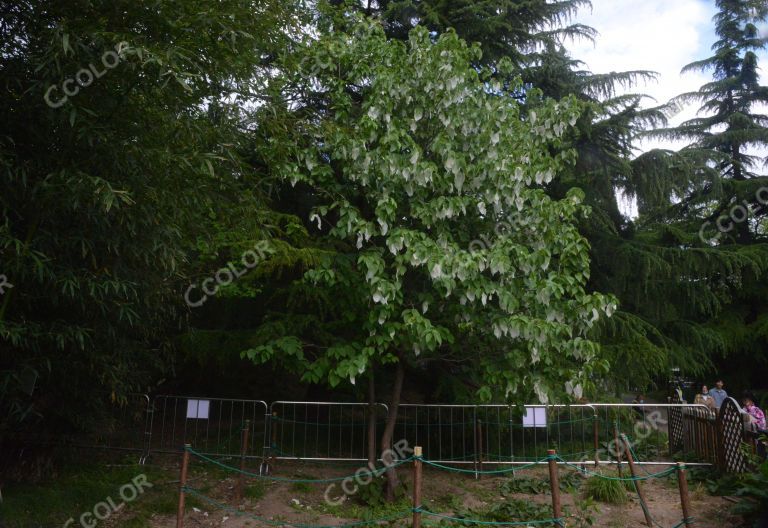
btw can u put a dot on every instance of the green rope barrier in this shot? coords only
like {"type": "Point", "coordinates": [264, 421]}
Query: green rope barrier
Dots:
{"type": "Point", "coordinates": [491, 457]}
{"type": "Point", "coordinates": [660, 474]}
{"type": "Point", "coordinates": [375, 473]}
{"type": "Point", "coordinates": [548, 424]}
{"type": "Point", "coordinates": [634, 481]}
{"type": "Point", "coordinates": [281, 452]}
{"type": "Point", "coordinates": [557, 520]}
{"type": "Point", "coordinates": [471, 456]}
{"type": "Point", "coordinates": [399, 423]}
{"type": "Point", "coordinates": [684, 522]}
{"type": "Point", "coordinates": [284, 453]}
{"type": "Point", "coordinates": [239, 513]}
{"type": "Point", "coordinates": [644, 506]}
{"type": "Point", "coordinates": [298, 458]}
{"type": "Point", "coordinates": [325, 424]}
{"type": "Point", "coordinates": [513, 457]}
{"type": "Point", "coordinates": [634, 455]}
{"type": "Point", "coordinates": [488, 472]}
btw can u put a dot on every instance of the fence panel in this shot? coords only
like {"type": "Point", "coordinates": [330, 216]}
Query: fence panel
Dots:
{"type": "Point", "coordinates": [730, 429]}
{"type": "Point", "coordinates": [123, 425]}
{"type": "Point", "coordinates": [458, 434]}
{"type": "Point", "coordinates": [675, 431]}
{"type": "Point", "coordinates": [524, 433]}
{"type": "Point", "coordinates": [497, 434]}
{"type": "Point", "coordinates": [700, 433]}
{"type": "Point", "coordinates": [212, 426]}
{"type": "Point", "coordinates": [323, 430]}
{"type": "Point", "coordinates": [446, 433]}
{"type": "Point", "coordinates": [655, 429]}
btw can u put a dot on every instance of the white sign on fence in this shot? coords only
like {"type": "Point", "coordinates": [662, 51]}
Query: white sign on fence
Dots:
{"type": "Point", "coordinates": [535, 417]}
{"type": "Point", "coordinates": [198, 409]}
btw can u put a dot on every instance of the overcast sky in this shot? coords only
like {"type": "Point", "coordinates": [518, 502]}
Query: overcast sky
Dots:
{"type": "Point", "coordinates": [658, 35]}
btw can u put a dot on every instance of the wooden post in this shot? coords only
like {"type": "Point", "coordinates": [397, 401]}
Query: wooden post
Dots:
{"type": "Point", "coordinates": [417, 487]}
{"type": "Point", "coordinates": [240, 488]}
{"type": "Point", "coordinates": [182, 484]}
{"type": "Point", "coordinates": [617, 445]}
{"type": "Point", "coordinates": [685, 500]}
{"type": "Point", "coordinates": [554, 484]}
{"type": "Point", "coordinates": [638, 487]}
{"type": "Point", "coordinates": [596, 431]}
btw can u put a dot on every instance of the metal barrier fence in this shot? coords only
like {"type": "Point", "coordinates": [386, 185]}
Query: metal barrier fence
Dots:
{"type": "Point", "coordinates": [455, 434]}
{"type": "Point", "coordinates": [656, 429]}
{"type": "Point", "coordinates": [123, 425]}
{"type": "Point", "coordinates": [212, 425]}
{"type": "Point", "coordinates": [516, 434]}
{"type": "Point", "coordinates": [322, 430]}
{"type": "Point", "coordinates": [497, 434]}
{"type": "Point", "coordinates": [445, 432]}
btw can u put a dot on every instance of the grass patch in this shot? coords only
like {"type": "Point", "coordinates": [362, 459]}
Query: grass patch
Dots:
{"type": "Point", "coordinates": [525, 484]}
{"type": "Point", "coordinates": [353, 510]}
{"type": "Point", "coordinates": [569, 482]}
{"type": "Point", "coordinates": [517, 510]}
{"type": "Point", "coordinates": [605, 490]}
{"type": "Point", "coordinates": [448, 501]}
{"type": "Point", "coordinates": [369, 502]}
{"type": "Point", "coordinates": [255, 490]}
{"type": "Point", "coordinates": [78, 487]}
{"type": "Point", "coordinates": [301, 487]}
{"type": "Point", "coordinates": [510, 510]}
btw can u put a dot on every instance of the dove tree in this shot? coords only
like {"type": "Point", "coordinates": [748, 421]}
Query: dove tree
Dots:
{"type": "Point", "coordinates": [430, 179]}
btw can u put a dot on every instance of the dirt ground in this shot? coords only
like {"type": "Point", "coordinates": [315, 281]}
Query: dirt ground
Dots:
{"type": "Point", "coordinates": [281, 502]}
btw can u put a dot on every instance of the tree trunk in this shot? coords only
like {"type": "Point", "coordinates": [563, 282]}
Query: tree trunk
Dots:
{"type": "Point", "coordinates": [371, 421]}
{"type": "Point", "coordinates": [389, 430]}
{"type": "Point", "coordinates": [738, 173]}
{"type": "Point", "coordinates": [743, 235]}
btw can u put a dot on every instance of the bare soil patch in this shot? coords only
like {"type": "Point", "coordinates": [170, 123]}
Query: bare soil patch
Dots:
{"type": "Point", "coordinates": [274, 503]}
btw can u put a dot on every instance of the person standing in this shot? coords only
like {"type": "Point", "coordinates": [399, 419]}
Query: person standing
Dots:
{"type": "Point", "coordinates": [678, 392]}
{"type": "Point", "coordinates": [756, 415]}
{"type": "Point", "coordinates": [705, 398]}
{"type": "Point", "coordinates": [718, 393]}
{"type": "Point", "coordinates": [757, 422]}
{"type": "Point", "coordinates": [640, 410]}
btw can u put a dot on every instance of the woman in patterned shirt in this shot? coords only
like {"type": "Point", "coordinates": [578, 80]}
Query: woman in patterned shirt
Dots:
{"type": "Point", "coordinates": [757, 416]}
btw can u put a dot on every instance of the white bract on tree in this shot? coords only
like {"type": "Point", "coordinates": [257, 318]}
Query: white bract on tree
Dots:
{"type": "Point", "coordinates": [427, 174]}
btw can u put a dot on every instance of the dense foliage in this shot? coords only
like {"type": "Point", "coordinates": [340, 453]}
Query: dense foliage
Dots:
{"type": "Point", "coordinates": [413, 161]}
{"type": "Point", "coordinates": [711, 218]}
{"type": "Point", "coordinates": [108, 192]}
{"type": "Point", "coordinates": [437, 181]}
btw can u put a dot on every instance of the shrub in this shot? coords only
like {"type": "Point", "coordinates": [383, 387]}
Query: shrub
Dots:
{"type": "Point", "coordinates": [752, 487]}
{"type": "Point", "coordinates": [516, 510]}
{"type": "Point", "coordinates": [373, 494]}
{"type": "Point", "coordinates": [528, 485]}
{"type": "Point", "coordinates": [606, 490]}
{"type": "Point", "coordinates": [569, 482]}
